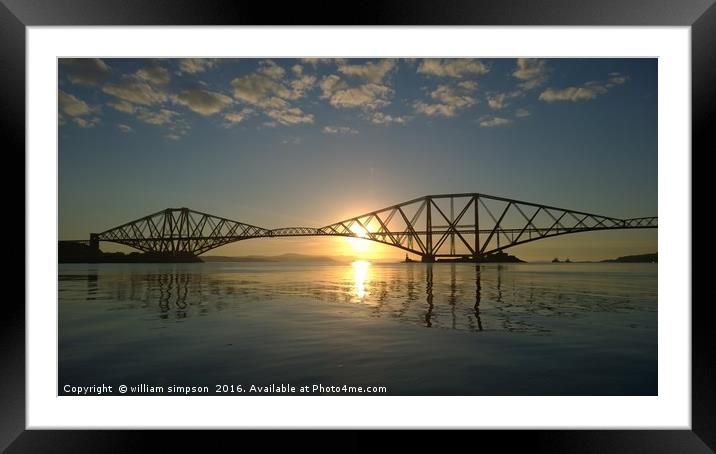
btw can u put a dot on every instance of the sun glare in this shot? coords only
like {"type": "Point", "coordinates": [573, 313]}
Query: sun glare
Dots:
{"type": "Point", "coordinates": [359, 245]}
{"type": "Point", "coordinates": [360, 275]}
{"type": "Point", "coordinates": [359, 230]}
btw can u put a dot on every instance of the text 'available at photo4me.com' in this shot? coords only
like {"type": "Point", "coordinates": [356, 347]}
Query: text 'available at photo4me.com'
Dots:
{"type": "Point", "coordinates": [143, 389]}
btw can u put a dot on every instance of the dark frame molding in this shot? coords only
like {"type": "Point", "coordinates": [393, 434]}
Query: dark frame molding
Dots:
{"type": "Point", "coordinates": [700, 15]}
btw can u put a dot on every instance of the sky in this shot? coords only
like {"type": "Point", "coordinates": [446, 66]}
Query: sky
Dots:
{"type": "Point", "coordinates": [309, 142]}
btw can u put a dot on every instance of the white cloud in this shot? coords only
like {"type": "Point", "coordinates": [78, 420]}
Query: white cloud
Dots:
{"type": "Point", "coordinates": [260, 90]}
{"type": "Point", "coordinates": [522, 113]}
{"type": "Point", "coordinates": [85, 71]}
{"type": "Point", "coordinates": [449, 100]}
{"type": "Point", "coordinates": [469, 85]}
{"type": "Point", "coordinates": [331, 84]}
{"type": "Point", "coordinates": [290, 116]}
{"type": "Point", "coordinates": [501, 100]}
{"type": "Point", "coordinates": [434, 109]}
{"type": "Point", "coordinates": [265, 90]}
{"type": "Point", "coordinates": [135, 90]}
{"type": "Point", "coordinates": [586, 92]}
{"type": "Point", "coordinates": [616, 79]}
{"type": "Point", "coordinates": [531, 71]}
{"type": "Point", "coordinates": [452, 67]}
{"type": "Point", "coordinates": [338, 130]}
{"type": "Point", "coordinates": [323, 61]}
{"type": "Point", "coordinates": [497, 101]}
{"type": "Point", "coordinates": [447, 95]}
{"type": "Point", "coordinates": [72, 105]}
{"type": "Point", "coordinates": [79, 111]}
{"type": "Point", "coordinates": [197, 65]}
{"type": "Point", "coordinates": [123, 106]}
{"type": "Point", "coordinates": [300, 85]}
{"type": "Point", "coordinates": [154, 73]}
{"type": "Point", "coordinates": [271, 91]}
{"type": "Point", "coordinates": [369, 96]}
{"type": "Point", "coordinates": [203, 102]}
{"type": "Point", "coordinates": [272, 70]}
{"type": "Point", "coordinates": [380, 118]}
{"type": "Point", "coordinates": [490, 121]}
{"type": "Point", "coordinates": [159, 117]}
{"type": "Point", "coordinates": [373, 72]}
{"type": "Point", "coordinates": [232, 118]}
{"type": "Point", "coordinates": [86, 123]}
{"type": "Point", "coordinates": [125, 129]}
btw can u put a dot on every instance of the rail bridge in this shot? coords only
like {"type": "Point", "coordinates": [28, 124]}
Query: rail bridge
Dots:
{"type": "Point", "coordinates": [468, 226]}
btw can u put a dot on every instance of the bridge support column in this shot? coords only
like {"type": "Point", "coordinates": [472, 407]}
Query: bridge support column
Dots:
{"type": "Point", "coordinates": [427, 258]}
{"type": "Point", "coordinates": [94, 243]}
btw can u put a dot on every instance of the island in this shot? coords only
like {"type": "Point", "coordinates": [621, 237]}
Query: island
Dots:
{"type": "Point", "coordinates": [495, 257]}
{"type": "Point", "coordinates": [642, 258]}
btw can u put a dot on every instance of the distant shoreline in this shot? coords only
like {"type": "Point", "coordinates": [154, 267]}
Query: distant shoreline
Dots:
{"type": "Point", "coordinates": [78, 253]}
{"type": "Point", "coordinates": [278, 258]}
{"type": "Point", "coordinates": [641, 258]}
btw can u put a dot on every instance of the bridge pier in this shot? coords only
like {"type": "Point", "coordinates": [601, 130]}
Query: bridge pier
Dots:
{"type": "Point", "coordinates": [94, 243]}
{"type": "Point", "coordinates": [427, 258]}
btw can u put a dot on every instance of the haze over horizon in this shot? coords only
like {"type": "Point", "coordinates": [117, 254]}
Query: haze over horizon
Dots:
{"type": "Point", "coordinates": [308, 142]}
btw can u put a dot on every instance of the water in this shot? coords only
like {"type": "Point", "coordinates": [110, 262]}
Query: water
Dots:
{"type": "Point", "coordinates": [415, 329]}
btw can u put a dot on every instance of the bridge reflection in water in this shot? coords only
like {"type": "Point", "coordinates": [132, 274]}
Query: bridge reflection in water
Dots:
{"type": "Point", "coordinates": [462, 296]}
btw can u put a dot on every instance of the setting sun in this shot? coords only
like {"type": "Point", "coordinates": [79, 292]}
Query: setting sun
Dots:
{"type": "Point", "coordinates": [359, 245]}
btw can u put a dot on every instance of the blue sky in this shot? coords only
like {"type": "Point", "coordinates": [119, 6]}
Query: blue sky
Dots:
{"type": "Point", "coordinates": [278, 142]}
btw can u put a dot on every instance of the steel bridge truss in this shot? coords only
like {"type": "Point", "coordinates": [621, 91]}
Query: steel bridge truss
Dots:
{"type": "Point", "coordinates": [180, 230]}
{"type": "Point", "coordinates": [470, 226]}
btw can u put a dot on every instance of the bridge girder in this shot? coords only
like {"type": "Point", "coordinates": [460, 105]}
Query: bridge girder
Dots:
{"type": "Point", "coordinates": [180, 231]}
{"type": "Point", "coordinates": [448, 225]}
{"type": "Point", "coordinates": [476, 225]}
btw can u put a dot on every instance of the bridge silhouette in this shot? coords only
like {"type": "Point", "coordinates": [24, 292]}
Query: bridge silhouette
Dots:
{"type": "Point", "coordinates": [467, 226]}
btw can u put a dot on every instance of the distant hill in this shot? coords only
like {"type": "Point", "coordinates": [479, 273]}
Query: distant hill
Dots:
{"type": "Point", "coordinates": [643, 258]}
{"type": "Point", "coordinates": [274, 258]}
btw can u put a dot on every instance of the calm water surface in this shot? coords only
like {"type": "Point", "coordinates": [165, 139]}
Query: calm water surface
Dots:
{"type": "Point", "coordinates": [417, 329]}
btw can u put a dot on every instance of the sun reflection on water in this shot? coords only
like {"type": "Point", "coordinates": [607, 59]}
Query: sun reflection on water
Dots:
{"type": "Point", "coordinates": [360, 275]}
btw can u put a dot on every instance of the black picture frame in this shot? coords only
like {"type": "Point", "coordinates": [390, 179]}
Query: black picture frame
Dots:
{"type": "Point", "coordinates": [16, 15]}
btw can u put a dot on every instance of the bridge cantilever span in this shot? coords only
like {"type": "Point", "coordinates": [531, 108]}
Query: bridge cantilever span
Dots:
{"type": "Point", "coordinates": [467, 225]}
{"type": "Point", "coordinates": [179, 230]}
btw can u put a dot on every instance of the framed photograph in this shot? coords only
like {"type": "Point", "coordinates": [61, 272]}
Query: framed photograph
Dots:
{"type": "Point", "coordinates": [418, 219]}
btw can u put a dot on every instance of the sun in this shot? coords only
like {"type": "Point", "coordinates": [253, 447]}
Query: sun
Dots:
{"type": "Point", "coordinates": [359, 245]}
